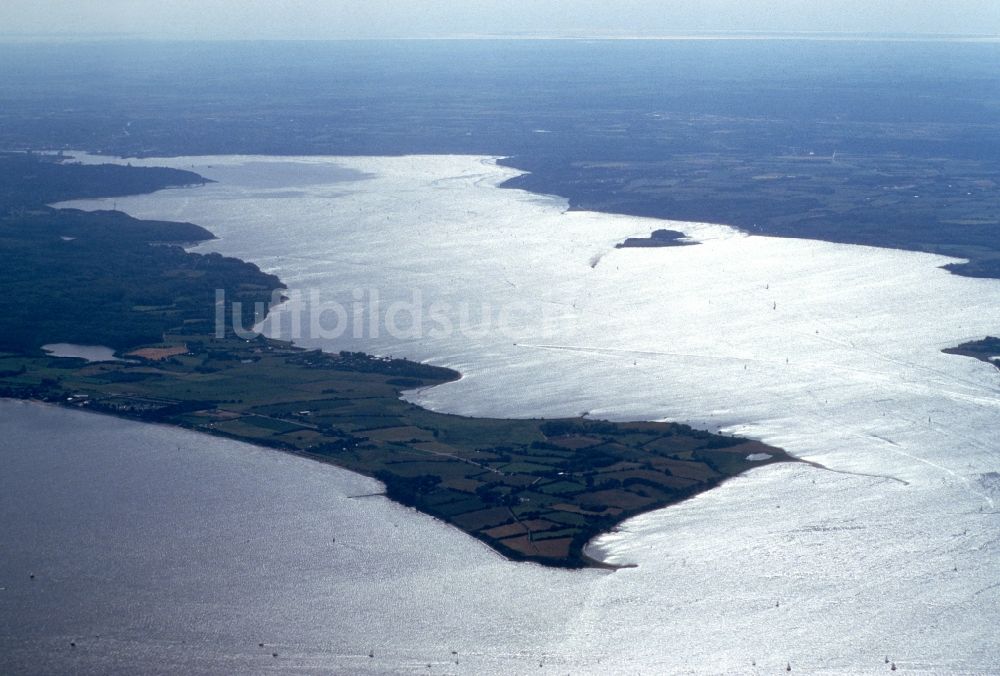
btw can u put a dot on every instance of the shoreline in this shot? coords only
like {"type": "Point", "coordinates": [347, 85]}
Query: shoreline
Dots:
{"type": "Point", "coordinates": [620, 516]}
{"type": "Point", "coordinates": [374, 455]}
{"type": "Point", "coordinates": [537, 183]}
{"type": "Point", "coordinates": [588, 559]}
{"type": "Point", "coordinates": [533, 489]}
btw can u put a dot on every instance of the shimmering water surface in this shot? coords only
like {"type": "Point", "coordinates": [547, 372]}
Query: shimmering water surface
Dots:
{"type": "Point", "coordinates": [830, 351]}
{"type": "Point", "coordinates": [88, 352]}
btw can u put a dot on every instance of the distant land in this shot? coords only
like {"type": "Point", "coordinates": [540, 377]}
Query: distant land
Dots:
{"type": "Point", "coordinates": [893, 144]}
{"type": "Point", "coordinates": [71, 276]}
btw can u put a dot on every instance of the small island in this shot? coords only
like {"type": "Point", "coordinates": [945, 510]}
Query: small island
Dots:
{"type": "Point", "coordinates": [987, 350]}
{"type": "Point", "coordinates": [657, 238]}
{"type": "Point", "coordinates": [534, 490]}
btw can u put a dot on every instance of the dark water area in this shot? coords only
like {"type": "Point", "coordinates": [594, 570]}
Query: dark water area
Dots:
{"type": "Point", "coordinates": [131, 548]}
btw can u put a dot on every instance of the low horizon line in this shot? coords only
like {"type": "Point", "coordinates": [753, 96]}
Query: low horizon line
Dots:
{"type": "Point", "coordinates": [735, 35]}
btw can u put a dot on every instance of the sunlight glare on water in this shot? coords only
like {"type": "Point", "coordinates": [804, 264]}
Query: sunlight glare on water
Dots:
{"type": "Point", "coordinates": [830, 351]}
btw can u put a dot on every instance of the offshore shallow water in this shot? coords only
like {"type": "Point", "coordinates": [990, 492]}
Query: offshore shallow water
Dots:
{"type": "Point", "coordinates": [830, 351]}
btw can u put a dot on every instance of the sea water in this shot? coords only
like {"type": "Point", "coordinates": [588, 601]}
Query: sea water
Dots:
{"type": "Point", "coordinates": [830, 351]}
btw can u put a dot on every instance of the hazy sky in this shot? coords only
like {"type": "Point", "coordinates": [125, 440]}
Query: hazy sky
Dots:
{"type": "Point", "coordinates": [443, 18]}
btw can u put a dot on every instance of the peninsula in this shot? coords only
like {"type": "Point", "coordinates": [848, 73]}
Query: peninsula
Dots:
{"type": "Point", "coordinates": [535, 490]}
